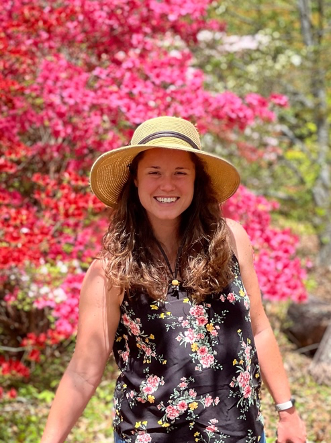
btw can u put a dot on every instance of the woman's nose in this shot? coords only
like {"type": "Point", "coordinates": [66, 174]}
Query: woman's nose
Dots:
{"type": "Point", "coordinates": [167, 183]}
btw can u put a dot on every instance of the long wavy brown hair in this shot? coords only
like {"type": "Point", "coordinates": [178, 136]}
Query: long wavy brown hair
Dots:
{"type": "Point", "coordinates": [133, 262]}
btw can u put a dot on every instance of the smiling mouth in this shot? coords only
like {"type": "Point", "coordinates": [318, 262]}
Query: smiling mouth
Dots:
{"type": "Point", "coordinates": [166, 199]}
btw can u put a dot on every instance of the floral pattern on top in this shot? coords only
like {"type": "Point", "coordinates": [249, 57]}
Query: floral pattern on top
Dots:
{"type": "Point", "coordinates": [188, 372]}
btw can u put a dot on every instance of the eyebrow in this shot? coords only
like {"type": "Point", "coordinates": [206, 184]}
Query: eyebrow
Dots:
{"type": "Point", "coordinates": [159, 167]}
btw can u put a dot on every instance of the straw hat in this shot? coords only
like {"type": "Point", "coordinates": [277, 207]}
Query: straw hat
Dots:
{"type": "Point", "coordinates": [110, 171]}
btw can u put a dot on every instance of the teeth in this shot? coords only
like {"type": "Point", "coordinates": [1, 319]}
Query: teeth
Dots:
{"type": "Point", "coordinates": [166, 199]}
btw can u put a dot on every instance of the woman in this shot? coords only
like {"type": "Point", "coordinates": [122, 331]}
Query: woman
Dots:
{"type": "Point", "coordinates": [175, 296]}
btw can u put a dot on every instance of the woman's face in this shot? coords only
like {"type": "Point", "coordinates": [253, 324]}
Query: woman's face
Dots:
{"type": "Point", "coordinates": [165, 182]}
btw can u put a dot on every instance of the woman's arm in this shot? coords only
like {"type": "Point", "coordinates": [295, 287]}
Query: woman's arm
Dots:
{"type": "Point", "coordinates": [99, 314]}
{"type": "Point", "coordinates": [290, 427]}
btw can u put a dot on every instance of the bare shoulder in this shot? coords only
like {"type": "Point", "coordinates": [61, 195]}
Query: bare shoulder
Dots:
{"type": "Point", "coordinates": [96, 285]}
{"type": "Point", "coordinates": [239, 241]}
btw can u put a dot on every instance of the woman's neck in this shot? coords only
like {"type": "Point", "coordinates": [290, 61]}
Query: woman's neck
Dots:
{"type": "Point", "coordinates": [168, 237]}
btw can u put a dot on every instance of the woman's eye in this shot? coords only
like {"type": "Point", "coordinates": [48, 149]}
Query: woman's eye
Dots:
{"type": "Point", "coordinates": [181, 173]}
{"type": "Point", "coordinates": [153, 172]}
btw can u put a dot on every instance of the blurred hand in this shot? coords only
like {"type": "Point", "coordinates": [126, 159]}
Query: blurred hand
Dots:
{"type": "Point", "coordinates": [291, 429]}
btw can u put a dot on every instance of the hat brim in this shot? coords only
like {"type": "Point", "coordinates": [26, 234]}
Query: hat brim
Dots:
{"type": "Point", "coordinates": [110, 172]}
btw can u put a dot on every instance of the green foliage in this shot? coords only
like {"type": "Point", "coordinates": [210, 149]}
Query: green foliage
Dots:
{"type": "Point", "coordinates": [266, 53]}
{"type": "Point", "coordinates": [23, 419]}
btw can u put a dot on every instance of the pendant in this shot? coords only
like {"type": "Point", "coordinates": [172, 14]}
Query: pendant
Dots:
{"type": "Point", "coordinates": [174, 288]}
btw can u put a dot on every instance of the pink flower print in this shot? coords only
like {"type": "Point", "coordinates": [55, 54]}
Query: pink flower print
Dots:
{"type": "Point", "coordinates": [178, 338]}
{"type": "Point", "coordinates": [190, 335]}
{"type": "Point", "coordinates": [222, 298]}
{"type": "Point", "coordinates": [216, 401]}
{"type": "Point", "coordinates": [231, 297]}
{"type": "Point", "coordinates": [153, 380]}
{"type": "Point", "coordinates": [185, 323]}
{"type": "Point", "coordinates": [182, 385]}
{"type": "Point", "coordinates": [182, 406]}
{"type": "Point", "coordinates": [143, 438]}
{"type": "Point", "coordinates": [172, 412]}
{"type": "Point", "coordinates": [197, 311]}
{"type": "Point", "coordinates": [125, 319]}
{"type": "Point", "coordinates": [202, 321]}
{"type": "Point", "coordinates": [192, 393]}
{"type": "Point", "coordinates": [125, 356]}
{"type": "Point", "coordinates": [248, 352]}
{"type": "Point", "coordinates": [207, 360]}
{"type": "Point", "coordinates": [134, 328]}
{"type": "Point", "coordinates": [211, 428]}
{"type": "Point", "coordinates": [213, 333]}
{"type": "Point", "coordinates": [208, 401]}
{"type": "Point", "coordinates": [243, 379]}
{"type": "Point", "coordinates": [247, 391]}
{"type": "Point", "coordinates": [148, 390]}
{"type": "Point", "coordinates": [200, 336]}
{"type": "Point", "coordinates": [203, 350]}
{"type": "Point", "coordinates": [232, 384]}
{"type": "Point", "coordinates": [148, 351]}
{"type": "Point", "coordinates": [213, 420]}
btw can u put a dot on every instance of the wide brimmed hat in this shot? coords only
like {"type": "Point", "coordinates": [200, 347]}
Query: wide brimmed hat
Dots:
{"type": "Point", "coordinates": [110, 171]}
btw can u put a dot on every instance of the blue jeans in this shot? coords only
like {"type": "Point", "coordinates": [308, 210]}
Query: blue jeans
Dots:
{"type": "Point", "coordinates": [117, 438]}
{"type": "Point", "coordinates": [262, 439]}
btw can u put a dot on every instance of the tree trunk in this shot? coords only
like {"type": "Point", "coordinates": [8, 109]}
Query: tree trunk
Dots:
{"type": "Point", "coordinates": [320, 367]}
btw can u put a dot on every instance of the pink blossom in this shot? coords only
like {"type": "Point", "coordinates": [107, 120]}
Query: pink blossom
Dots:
{"type": "Point", "coordinates": [207, 360]}
{"type": "Point", "coordinates": [190, 336]}
{"type": "Point", "coordinates": [202, 351]}
{"type": "Point", "coordinates": [148, 389]}
{"type": "Point", "coordinates": [231, 297]}
{"type": "Point", "coordinates": [172, 412]}
{"type": "Point", "coordinates": [125, 356]}
{"type": "Point", "coordinates": [208, 401]}
{"type": "Point", "coordinates": [243, 379]}
{"type": "Point", "coordinates": [134, 328]}
{"type": "Point", "coordinates": [197, 311]}
{"type": "Point", "coordinates": [247, 391]}
{"type": "Point", "coordinates": [192, 393]}
{"type": "Point", "coordinates": [153, 380]}
{"type": "Point", "coordinates": [248, 352]}
{"type": "Point", "coordinates": [280, 100]}
{"type": "Point", "coordinates": [143, 438]}
{"type": "Point", "coordinates": [182, 406]}
{"type": "Point", "coordinates": [202, 321]}
{"type": "Point", "coordinates": [211, 428]}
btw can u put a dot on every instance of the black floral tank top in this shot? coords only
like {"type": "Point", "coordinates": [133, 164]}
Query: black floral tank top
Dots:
{"type": "Point", "coordinates": [188, 372]}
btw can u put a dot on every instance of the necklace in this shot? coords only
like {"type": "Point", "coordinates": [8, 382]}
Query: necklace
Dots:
{"type": "Point", "coordinates": [174, 284]}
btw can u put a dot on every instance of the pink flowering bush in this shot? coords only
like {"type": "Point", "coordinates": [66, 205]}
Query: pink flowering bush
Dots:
{"type": "Point", "coordinates": [76, 78]}
{"type": "Point", "coordinates": [281, 274]}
